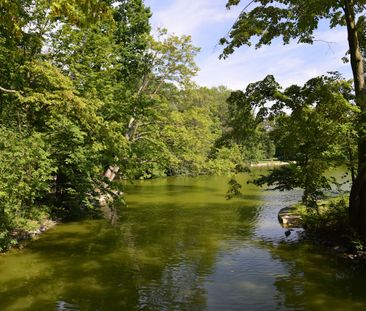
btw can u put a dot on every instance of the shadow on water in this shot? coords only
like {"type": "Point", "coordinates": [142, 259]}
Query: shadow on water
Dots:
{"type": "Point", "coordinates": [316, 280]}
{"type": "Point", "coordinates": [68, 268]}
{"type": "Point", "coordinates": [179, 245]}
{"type": "Point", "coordinates": [90, 273]}
{"type": "Point", "coordinates": [156, 257]}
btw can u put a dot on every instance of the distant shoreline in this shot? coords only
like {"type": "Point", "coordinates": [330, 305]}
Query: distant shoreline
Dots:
{"type": "Point", "coordinates": [269, 163]}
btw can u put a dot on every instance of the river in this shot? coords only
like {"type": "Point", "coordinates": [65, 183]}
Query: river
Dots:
{"type": "Point", "coordinates": [179, 245]}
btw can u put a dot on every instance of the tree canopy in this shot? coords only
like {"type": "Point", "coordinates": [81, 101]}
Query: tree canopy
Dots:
{"type": "Point", "coordinates": [88, 90]}
{"type": "Point", "coordinates": [261, 21]}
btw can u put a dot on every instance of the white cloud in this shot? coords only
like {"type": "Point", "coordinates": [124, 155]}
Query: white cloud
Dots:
{"type": "Point", "coordinates": [183, 17]}
{"type": "Point", "coordinates": [290, 64]}
{"type": "Point", "coordinates": [208, 20]}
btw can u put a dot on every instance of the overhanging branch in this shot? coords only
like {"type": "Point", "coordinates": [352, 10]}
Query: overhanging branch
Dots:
{"type": "Point", "coordinates": [8, 91]}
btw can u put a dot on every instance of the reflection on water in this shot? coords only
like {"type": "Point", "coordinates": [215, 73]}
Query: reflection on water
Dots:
{"type": "Point", "coordinates": [312, 283]}
{"type": "Point", "coordinates": [179, 245]}
{"type": "Point", "coordinates": [64, 306]}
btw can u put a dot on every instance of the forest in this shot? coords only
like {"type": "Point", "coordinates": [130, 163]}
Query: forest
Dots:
{"type": "Point", "coordinates": [90, 92]}
{"type": "Point", "coordinates": [87, 89]}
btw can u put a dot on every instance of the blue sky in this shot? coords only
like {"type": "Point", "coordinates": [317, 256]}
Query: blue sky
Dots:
{"type": "Point", "coordinates": [208, 20]}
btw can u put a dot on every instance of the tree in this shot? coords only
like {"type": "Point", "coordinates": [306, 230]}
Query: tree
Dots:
{"type": "Point", "coordinates": [53, 138]}
{"type": "Point", "coordinates": [294, 19]}
{"type": "Point", "coordinates": [169, 59]}
{"type": "Point", "coordinates": [246, 124]}
{"type": "Point", "coordinates": [315, 135]}
{"type": "Point", "coordinates": [26, 171]}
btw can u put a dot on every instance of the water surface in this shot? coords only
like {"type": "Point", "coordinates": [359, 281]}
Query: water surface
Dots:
{"type": "Point", "coordinates": [179, 245]}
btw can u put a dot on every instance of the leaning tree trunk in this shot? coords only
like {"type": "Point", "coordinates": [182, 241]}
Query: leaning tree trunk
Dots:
{"type": "Point", "coordinates": [357, 202]}
{"type": "Point", "coordinates": [112, 170]}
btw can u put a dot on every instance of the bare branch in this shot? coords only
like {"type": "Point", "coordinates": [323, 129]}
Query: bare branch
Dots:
{"type": "Point", "coordinates": [241, 13]}
{"type": "Point", "coordinates": [329, 43]}
{"type": "Point", "coordinates": [7, 90]}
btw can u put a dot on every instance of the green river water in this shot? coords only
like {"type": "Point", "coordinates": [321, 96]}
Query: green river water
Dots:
{"type": "Point", "coordinates": [179, 245]}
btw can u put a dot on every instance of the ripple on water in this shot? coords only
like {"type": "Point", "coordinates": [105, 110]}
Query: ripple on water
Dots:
{"type": "Point", "coordinates": [180, 245]}
{"type": "Point", "coordinates": [65, 306]}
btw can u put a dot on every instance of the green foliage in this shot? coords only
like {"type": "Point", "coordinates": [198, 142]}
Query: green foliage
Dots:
{"type": "Point", "coordinates": [173, 59]}
{"type": "Point", "coordinates": [330, 224]}
{"type": "Point", "coordinates": [246, 124]}
{"type": "Point", "coordinates": [330, 213]}
{"type": "Point", "coordinates": [227, 160]}
{"type": "Point", "coordinates": [132, 39]}
{"type": "Point", "coordinates": [55, 140]}
{"type": "Point", "coordinates": [262, 21]}
{"type": "Point", "coordinates": [308, 177]}
{"type": "Point", "coordinates": [26, 173]}
{"type": "Point", "coordinates": [317, 135]}
{"type": "Point", "coordinates": [72, 131]}
{"type": "Point", "coordinates": [234, 189]}
{"type": "Point", "coordinates": [189, 137]}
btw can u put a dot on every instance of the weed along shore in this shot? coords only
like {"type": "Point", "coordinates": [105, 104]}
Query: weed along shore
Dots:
{"type": "Point", "coordinates": [21, 238]}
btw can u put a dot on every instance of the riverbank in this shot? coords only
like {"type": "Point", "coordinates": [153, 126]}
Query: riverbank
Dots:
{"type": "Point", "coordinates": [25, 230]}
{"type": "Point", "coordinates": [328, 227]}
{"type": "Point", "coordinates": [268, 164]}
{"type": "Point", "coordinates": [20, 237]}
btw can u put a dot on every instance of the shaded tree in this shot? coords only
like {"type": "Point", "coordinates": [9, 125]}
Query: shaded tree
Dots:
{"type": "Point", "coordinates": [313, 129]}
{"type": "Point", "coordinates": [261, 21]}
{"type": "Point", "coordinates": [246, 124]}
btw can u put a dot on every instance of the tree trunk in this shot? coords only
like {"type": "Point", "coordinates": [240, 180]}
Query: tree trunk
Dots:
{"type": "Point", "coordinates": [357, 202]}
{"type": "Point", "coordinates": [111, 172]}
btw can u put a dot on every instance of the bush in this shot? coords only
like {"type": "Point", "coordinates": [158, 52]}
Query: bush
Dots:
{"type": "Point", "coordinates": [330, 224]}
{"type": "Point", "coordinates": [25, 175]}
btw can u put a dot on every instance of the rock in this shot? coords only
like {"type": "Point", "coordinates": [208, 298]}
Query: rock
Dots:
{"type": "Point", "coordinates": [289, 218]}
{"type": "Point", "coordinates": [339, 249]}
{"type": "Point", "coordinates": [288, 232]}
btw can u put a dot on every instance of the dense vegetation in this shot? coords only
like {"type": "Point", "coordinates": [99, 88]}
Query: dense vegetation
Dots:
{"type": "Point", "coordinates": [315, 111]}
{"type": "Point", "coordinates": [87, 91]}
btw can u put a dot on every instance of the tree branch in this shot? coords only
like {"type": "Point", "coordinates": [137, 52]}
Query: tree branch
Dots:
{"type": "Point", "coordinates": [7, 90]}
{"type": "Point", "coordinates": [329, 43]}
{"type": "Point", "coordinates": [241, 13]}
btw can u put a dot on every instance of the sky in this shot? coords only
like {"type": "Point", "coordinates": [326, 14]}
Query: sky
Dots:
{"type": "Point", "coordinates": [208, 20]}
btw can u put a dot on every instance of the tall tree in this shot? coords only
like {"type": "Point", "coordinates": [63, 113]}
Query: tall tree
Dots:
{"type": "Point", "coordinates": [52, 137]}
{"type": "Point", "coordinates": [315, 134]}
{"type": "Point", "coordinates": [295, 19]}
{"type": "Point", "coordinates": [167, 59]}
{"type": "Point", "coordinates": [245, 124]}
